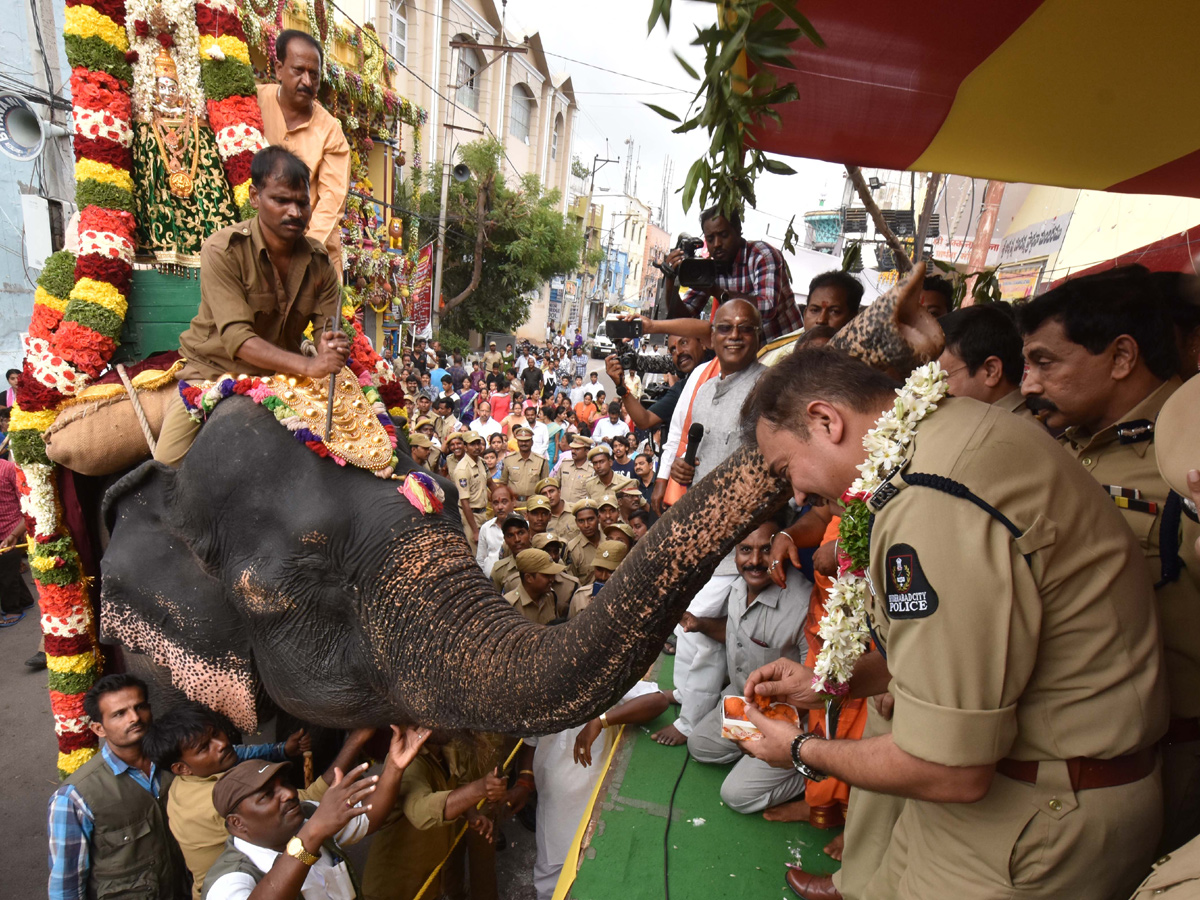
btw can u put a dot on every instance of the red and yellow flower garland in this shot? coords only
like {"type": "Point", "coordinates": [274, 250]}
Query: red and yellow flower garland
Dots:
{"type": "Point", "coordinates": [79, 308]}
{"type": "Point", "coordinates": [232, 97]}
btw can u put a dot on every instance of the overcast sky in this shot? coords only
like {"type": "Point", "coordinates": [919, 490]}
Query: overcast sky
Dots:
{"type": "Point", "coordinates": [613, 35]}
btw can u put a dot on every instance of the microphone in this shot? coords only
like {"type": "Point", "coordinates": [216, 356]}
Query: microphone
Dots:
{"type": "Point", "coordinates": [695, 435]}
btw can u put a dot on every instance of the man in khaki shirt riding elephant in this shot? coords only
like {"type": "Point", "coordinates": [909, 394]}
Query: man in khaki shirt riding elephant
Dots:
{"type": "Point", "coordinates": [262, 283]}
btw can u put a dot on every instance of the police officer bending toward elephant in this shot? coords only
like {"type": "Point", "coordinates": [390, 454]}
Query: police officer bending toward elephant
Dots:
{"type": "Point", "coordinates": [1028, 681]}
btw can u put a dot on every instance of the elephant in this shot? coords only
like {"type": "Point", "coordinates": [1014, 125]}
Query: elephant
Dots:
{"type": "Point", "coordinates": [265, 577]}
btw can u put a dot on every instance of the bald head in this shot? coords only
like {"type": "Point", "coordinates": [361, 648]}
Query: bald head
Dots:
{"type": "Point", "coordinates": [735, 330]}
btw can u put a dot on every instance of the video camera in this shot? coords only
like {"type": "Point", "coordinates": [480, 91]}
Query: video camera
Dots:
{"type": "Point", "coordinates": [691, 272]}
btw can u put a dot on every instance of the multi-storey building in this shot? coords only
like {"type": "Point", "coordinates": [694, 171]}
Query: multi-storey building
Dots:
{"type": "Point", "coordinates": [517, 97]}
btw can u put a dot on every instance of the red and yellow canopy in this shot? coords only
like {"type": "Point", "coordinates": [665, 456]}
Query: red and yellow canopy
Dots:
{"type": "Point", "coordinates": [1101, 94]}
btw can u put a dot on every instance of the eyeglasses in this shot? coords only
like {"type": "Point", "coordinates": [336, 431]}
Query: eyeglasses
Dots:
{"type": "Point", "coordinates": [725, 329]}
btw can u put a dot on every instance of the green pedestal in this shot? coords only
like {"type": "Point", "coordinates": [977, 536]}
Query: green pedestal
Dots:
{"type": "Point", "coordinates": [161, 307]}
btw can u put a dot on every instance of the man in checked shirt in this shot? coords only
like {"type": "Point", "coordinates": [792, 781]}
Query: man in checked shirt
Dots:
{"type": "Point", "coordinates": [749, 270]}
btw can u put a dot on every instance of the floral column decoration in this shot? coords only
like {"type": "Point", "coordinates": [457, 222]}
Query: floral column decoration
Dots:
{"type": "Point", "coordinates": [232, 96]}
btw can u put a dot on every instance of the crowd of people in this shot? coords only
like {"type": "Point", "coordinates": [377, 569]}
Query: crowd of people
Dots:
{"type": "Point", "coordinates": [1023, 720]}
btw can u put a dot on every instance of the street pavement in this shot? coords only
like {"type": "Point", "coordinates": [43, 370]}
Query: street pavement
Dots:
{"type": "Point", "coordinates": [28, 752]}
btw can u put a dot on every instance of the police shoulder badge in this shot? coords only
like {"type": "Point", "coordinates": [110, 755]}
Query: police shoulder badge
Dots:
{"type": "Point", "coordinates": [909, 593]}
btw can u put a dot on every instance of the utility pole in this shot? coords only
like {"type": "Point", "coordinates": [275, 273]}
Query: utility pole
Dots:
{"type": "Point", "coordinates": [447, 154]}
{"type": "Point", "coordinates": [597, 164]}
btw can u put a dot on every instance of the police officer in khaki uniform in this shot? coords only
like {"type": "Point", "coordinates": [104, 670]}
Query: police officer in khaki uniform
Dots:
{"type": "Point", "coordinates": [436, 456]}
{"type": "Point", "coordinates": [533, 597]}
{"type": "Point", "coordinates": [1020, 638]}
{"type": "Point", "coordinates": [605, 480]}
{"type": "Point", "coordinates": [524, 469]}
{"type": "Point", "coordinates": [562, 522]}
{"type": "Point", "coordinates": [566, 585]}
{"type": "Point", "coordinates": [422, 449]}
{"type": "Point", "coordinates": [471, 476]}
{"type": "Point", "coordinates": [608, 556]}
{"type": "Point", "coordinates": [537, 511]}
{"type": "Point", "coordinates": [582, 549]}
{"type": "Point", "coordinates": [1109, 402]}
{"type": "Point", "coordinates": [575, 471]}
{"type": "Point", "coordinates": [516, 538]}
{"type": "Point", "coordinates": [491, 357]}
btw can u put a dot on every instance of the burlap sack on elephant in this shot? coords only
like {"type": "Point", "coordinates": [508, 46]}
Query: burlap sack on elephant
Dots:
{"type": "Point", "coordinates": [102, 436]}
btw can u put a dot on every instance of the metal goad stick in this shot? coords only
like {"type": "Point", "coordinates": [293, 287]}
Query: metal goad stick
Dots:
{"type": "Point", "coordinates": [332, 386]}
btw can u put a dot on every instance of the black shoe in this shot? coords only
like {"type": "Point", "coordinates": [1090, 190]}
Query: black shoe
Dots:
{"type": "Point", "coordinates": [37, 662]}
{"type": "Point", "coordinates": [501, 840]}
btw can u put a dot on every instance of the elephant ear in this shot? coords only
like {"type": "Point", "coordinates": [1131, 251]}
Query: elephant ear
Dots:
{"type": "Point", "coordinates": [158, 599]}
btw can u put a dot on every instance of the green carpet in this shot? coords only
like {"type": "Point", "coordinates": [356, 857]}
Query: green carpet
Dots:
{"type": "Point", "coordinates": [728, 856]}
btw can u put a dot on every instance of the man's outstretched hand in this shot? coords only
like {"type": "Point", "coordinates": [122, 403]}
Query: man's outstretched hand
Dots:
{"type": "Point", "coordinates": [405, 744]}
{"type": "Point", "coordinates": [785, 681]}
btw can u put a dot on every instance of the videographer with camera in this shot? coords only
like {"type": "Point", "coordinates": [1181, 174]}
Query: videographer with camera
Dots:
{"type": "Point", "coordinates": [686, 353]}
{"type": "Point", "coordinates": [736, 268]}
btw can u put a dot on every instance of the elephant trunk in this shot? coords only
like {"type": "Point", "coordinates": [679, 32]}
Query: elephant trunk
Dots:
{"type": "Point", "coordinates": [487, 668]}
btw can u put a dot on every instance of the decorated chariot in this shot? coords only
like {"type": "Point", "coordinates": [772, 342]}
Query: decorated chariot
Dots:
{"type": "Point", "coordinates": [166, 121]}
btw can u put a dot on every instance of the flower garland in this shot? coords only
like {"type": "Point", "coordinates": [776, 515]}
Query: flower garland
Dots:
{"type": "Point", "coordinates": [79, 307]}
{"type": "Point", "coordinates": [843, 629]}
{"type": "Point", "coordinates": [231, 92]}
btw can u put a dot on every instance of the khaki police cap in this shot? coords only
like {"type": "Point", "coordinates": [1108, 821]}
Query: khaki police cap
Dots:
{"type": "Point", "coordinates": [545, 539]}
{"type": "Point", "coordinates": [242, 781]}
{"type": "Point", "coordinates": [416, 439]}
{"type": "Point", "coordinates": [469, 437]}
{"type": "Point", "coordinates": [621, 527]}
{"type": "Point", "coordinates": [421, 423]}
{"type": "Point", "coordinates": [607, 500]}
{"type": "Point", "coordinates": [609, 555]}
{"type": "Point", "coordinates": [1177, 436]}
{"type": "Point", "coordinates": [522, 429]}
{"type": "Point", "coordinates": [532, 560]}
{"type": "Point", "coordinates": [537, 501]}
{"type": "Point", "coordinates": [598, 450]}
{"type": "Point", "coordinates": [585, 503]}
{"type": "Point", "coordinates": [581, 440]}
{"type": "Point", "coordinates": [547, 482]}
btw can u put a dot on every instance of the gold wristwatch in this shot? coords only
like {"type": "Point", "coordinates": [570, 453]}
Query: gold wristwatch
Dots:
{"type": "Point", "coordinates": [295, 847]}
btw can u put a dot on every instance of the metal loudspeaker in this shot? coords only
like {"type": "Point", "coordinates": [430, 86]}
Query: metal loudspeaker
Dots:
{"type": "Point", "coordinates": [22, 133]}
{"type": "Point", "coordinates": [460, 173]}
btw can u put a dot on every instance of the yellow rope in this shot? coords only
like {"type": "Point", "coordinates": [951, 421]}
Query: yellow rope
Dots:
{"type": "Point", "coordinates": [462, 831]}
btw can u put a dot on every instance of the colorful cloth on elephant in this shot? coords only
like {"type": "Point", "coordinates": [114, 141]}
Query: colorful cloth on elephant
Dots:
{"type": "Point", "coordinates": [173, 228]}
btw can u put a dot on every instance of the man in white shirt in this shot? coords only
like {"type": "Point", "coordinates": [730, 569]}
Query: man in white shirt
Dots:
{"type": "Point", "coordinates": [273, 833]}
{"type": "Point", "coordinates": [541, 432]}
{"type": "Point", "coordinates": [764, 621]}
{"type": "Point", "coordinates": [613, 426]}
{"type": "Point", "coordinates": [491, 538]}
{"type": "Point", "coordinates": [578, 390]}
{"type": "Point", "coordinates": [483, 424]}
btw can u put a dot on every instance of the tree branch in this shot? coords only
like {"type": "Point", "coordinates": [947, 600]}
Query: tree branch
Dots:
{"type": "Point", "coordinates": [903, 263]}
{"type": "Point", "coordinates": [926, 216]}
{"type": "Point", "coordinates": [481, 231]}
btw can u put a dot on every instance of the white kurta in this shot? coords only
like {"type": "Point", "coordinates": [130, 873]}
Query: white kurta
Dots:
{"type": "Point", "coordinates": [564, 788]}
